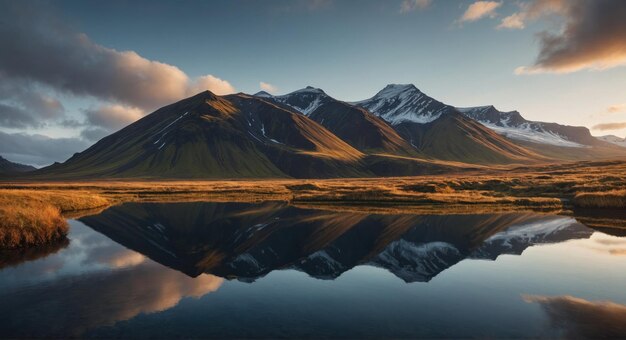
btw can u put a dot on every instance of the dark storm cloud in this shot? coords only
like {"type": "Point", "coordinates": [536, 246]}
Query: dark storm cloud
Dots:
{"type": "Point", "coordinates": [22, 105]}
{"type": "Point", "coordinates": [594, 36]}
{"type": "Point", "coordinates": [14, 117]}
{"type": "Point", "coordinates": [38, 47]}
{"type": "Point", "coordinates": [38, 150]}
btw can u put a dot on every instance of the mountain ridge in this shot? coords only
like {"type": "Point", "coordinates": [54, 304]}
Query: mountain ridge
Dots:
{"type": "Point", "coordinates": [309, 134]}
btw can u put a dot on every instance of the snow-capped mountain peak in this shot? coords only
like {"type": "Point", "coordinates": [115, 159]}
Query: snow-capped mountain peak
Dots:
{"type": "Point", "coordinates": [305, 100]}
{"type": "Point", "coordinates": [397, 103]}
{"type": "Point", "coordinates": [511, 124]}
{"type": "Point", "coordinates": [263, 94]}
{"type": "Point", "coordinates": [613, 140]}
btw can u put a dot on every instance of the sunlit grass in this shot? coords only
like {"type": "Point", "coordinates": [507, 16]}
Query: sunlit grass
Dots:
{"type": "Point", "coordinates": [34, 217]}
{"type": "Point", "coordinates": [614, 199]}
{"type": "Point", "coordinates": [31, 212]}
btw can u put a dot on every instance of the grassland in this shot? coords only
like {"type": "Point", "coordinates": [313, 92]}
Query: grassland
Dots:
{"type": "Point", "coordinates": [32, 212]}
{"type": "Point", "coordinates": [34, 217]}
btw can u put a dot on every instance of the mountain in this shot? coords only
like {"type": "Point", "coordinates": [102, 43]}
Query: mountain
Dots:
{"type": "Point", "coordinates": [532, 141]}
{"type": "Point", "coordinates": [404, 103]}
{"type": "Point", "coordinates": [439, 131]}
{"type": "Point", "coordinates": [308, 134]}
{"type": "Point", "coordinates": [247, 241]}
{"type": "Point", "coordinates": [613, 140]}
{"type": "Point", "coordinates": [208, 136]}
{"type": "Point", "coordinates": [354, 125]}
{"type": "Point", "coordinates": [513, 125]}
{"type": "Point", "coordinates": [8, 167]}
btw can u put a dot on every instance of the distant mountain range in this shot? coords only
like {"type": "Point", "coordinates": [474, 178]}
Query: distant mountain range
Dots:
{"type": "Point", "coordinates": [308, 134]}
{"type": "Point", "coordinates": [7, 167]}
{"type": "Point", "coordinates": [614, 140]}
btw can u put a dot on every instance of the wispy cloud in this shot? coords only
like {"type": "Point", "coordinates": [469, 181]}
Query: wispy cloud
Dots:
{"type": "Point", "coordinates": [616, 108]}
{"type": "Point", "coordinates": [593, 36]}
{"type": "Point", "coordinates": [513, 21]}
{"type": "Point", "coordinates": [267, 87]}
{"type": "Point", "coordinates": [530, 11]}
{"type": "Point", "coordinates": [479, 10]}
{"type": "Point", "coordinates": [412, 5]}
{"type": "Point", "coordinates": [610, 126]}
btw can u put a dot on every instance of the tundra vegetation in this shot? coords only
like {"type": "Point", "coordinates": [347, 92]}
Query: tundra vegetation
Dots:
{"type": "Point", "coordinates": [33, 212]}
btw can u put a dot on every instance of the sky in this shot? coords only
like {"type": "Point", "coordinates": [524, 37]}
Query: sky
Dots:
{"type": "Point", "coordinates": [72, 72]}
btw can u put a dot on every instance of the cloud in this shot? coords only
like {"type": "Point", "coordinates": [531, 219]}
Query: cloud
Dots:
{"type": "Point", "coordinates": [412, 5]}
{"type": "Point", "coordinates": [211, 83]}
{"type": "Point", "coordinates": [268, 87]}
{"type": "Point", "coordinates": [479, 10]}
{"type": "Point", "coordinates": [580, 318]}
{"type": "Point", "coordinates": [38, 150]}
{"type": "Point", "coordinates": [15, 117]}
{"type": "Point", "coordinates": [610, 126]}
{"type": "Point", "coordinates": [513, 21]}
{"type": "Point", "coordinates": [113, 117]}
{"type": "Point", "coordinates": [616, 108]}
{"type": "Point", "coordinates": [530, 11]}
{"type": "Point", "coordinates": [593, 36]}
{"type": "Point", "coordinates": [38, 48]}
{"type": "Point", "coordinates": [22, 105]}
{"type": "Point", "coordinates": [102, 298]}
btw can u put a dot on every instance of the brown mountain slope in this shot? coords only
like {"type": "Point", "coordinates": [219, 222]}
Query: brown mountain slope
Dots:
{"type": "Point", "coordinates": [207, 136]}
{"type": "Point", "coordinates": [454, 137]}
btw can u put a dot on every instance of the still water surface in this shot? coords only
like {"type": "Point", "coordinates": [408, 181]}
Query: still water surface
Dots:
{"type": "Point", "coordinates": [273, 270]}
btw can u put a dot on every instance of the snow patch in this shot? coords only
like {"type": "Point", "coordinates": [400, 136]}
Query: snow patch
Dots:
{"type": "Point", "coordinates": [168, 125]}
{"type": "Point", "coordinates": [525, 132]}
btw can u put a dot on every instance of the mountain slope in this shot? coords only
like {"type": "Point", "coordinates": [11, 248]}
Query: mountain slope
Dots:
{"type": "Point", "coordinates": [613, 140]}
{"type": "Point", "coordinates": [514, 126]}
{"type": "Point", "coordinates": [404, 103]}
{"type": "Point", "coordinates": [207, 136]}
{"type": "Point", "coordinates": [454, 137]}
{"type": "Point", "coordinates": [439, 131]}
{"type": "Point", "coordinates": [354, 125]}
{"type": "Point", "coordinates": [8, 167]}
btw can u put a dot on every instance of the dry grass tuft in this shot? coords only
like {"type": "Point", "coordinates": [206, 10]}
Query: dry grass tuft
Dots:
{"type": "Point", "coordinates": [32, 217]}
{"type": "Point", "coordinates": [614, 199]}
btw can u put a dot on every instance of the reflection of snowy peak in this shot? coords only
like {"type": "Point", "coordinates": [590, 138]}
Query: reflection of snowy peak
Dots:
{"type": "Point", "coordinates": [514, 126]}
{"type": "Point", "coordinates": [417, 262]}
{"type": "Point", "coordinates": [515, 239]}
{"type": "Point", "coordinates": [402, 103]}
{"type": "Point", "coordinates": [245, 241]}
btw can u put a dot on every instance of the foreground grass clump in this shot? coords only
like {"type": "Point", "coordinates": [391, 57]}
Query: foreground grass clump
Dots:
{"type": "Point", "coordinates": [32, 218]}
{"type": "Point", "coordinates": [614, 199]}
{"type": "Point", "coordinates": [30, 223]}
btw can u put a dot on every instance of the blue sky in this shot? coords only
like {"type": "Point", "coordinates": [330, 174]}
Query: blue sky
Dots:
{"type": "Point", "coordinates": [351, 49]}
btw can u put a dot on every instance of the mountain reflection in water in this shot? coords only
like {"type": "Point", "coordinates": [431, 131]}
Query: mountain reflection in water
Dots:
{"type": "Point", "coordinates": [114, 281]}
{"type": "Point", "coordinates": [247, 241]}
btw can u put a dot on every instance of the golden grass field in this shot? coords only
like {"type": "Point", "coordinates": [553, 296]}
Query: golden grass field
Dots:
{"type": "Point", "coordinates": [32, 213]}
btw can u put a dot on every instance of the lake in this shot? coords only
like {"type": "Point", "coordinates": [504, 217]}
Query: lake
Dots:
{"type": "Point", "coordinates": [273, 270]}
